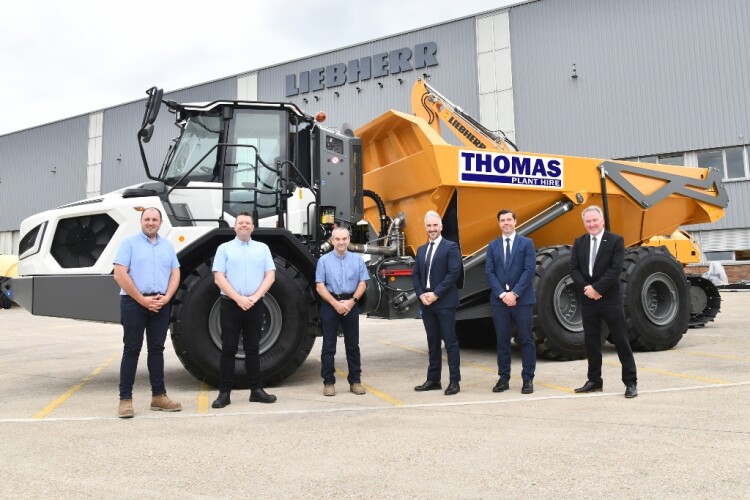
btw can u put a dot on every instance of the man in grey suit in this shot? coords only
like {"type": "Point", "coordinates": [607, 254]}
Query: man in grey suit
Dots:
{"type": "Point", "coordinates": [510, 266]}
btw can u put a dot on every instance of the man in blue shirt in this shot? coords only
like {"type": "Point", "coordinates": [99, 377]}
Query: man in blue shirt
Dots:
{"type": "Point", "coordinates": [147, 270]}
{"type": "Point", "coordinates": [340, 279]}
{"type": "Point", "coordinates": [243, 271]}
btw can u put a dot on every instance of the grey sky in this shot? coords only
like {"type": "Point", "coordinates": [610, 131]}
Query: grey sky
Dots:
{"type": "Point", "coordinates": [62, 59]}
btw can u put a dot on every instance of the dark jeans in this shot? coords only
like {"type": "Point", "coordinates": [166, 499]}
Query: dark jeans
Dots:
{"type": "Point", "coordinates": [350, 326]}
{"type": "Point", "coordinates": [135, 319]}
{"type": "Point", "coordinates": [249, 323]}
{"type": "Point", "coordinates": [613, 315]}
{"type": "Point", "coordinates": [441, 324]}
{"type": "Point", "coordinates": [503, 318]}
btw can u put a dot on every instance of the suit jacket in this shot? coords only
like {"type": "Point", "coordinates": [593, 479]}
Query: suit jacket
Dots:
{"type": "Point", "coordinates": [607, 268]}
{"type": "Point", "coordinates": [445, 271]}
{"type": "Point", "coordinates": [520, 270]}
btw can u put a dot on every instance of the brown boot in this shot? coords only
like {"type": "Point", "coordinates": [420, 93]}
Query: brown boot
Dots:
{"type": "Point", "coordinates": [163, 403]}
{"type": "Point", "coordinates": [125, 410]}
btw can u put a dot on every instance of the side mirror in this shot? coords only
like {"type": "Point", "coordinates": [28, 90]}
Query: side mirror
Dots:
{"type": "Point", "coordinates": [153, 103]}
{"type": "Point", "coordinates": [146, 132]}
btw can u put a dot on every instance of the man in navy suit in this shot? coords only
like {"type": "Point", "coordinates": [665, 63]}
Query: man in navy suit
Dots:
{"type": "Point", "coordinates": [510, 265]}
{"type": "Point", "coordinates": [595, 265]}
{"type": "Point", "coordinates": [435, 275]}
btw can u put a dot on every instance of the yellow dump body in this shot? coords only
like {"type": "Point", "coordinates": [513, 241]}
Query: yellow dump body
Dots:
{"type": "Point", "coordinates": [414, 170]}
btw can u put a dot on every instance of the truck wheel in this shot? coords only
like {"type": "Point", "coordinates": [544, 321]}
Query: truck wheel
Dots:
{"type": "Point", "coordinates": [476, 333]}
{"type": "Point", "coordinates": [558, 327]}
{"type": "Point", "coordinates": [286, 339]}
{"type": "Point", "coordinates": [656, 298]}
{"type": "Point", "coordinates": [705, 300]}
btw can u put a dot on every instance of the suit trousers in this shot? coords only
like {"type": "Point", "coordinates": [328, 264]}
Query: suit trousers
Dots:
{"type": "Point", "coordinates": [593, 313]}
{"type": "Point", "coordinates": [441, 324]}
{"type": "Point", "coordinates": [235, 321]}
{"type": "Point", "coordinates": [503, 317]}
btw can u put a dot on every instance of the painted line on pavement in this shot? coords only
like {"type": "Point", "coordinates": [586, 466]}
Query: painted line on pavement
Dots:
{"type": "Point", "coordinates": [60, 400]}
{"type": "Point", "coordinates": [673, 374]}
{"type": "Point", "coordinates": [712, 355]}
{"type": "Point", "coordinates": [203, 398]}
{"type": "Point", "coordinates": [353, 409]}
{"type": "Point", "coordinates": [480, 366]}
{"type": "Point", "coordinates": [380, 394]}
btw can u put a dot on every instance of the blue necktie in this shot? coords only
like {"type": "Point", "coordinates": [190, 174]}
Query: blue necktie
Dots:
{"type": "Point", "coordinates": [507, 253]}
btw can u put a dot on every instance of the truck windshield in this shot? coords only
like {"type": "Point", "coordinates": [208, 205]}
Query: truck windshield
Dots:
{"type": "Point", "coordinates": [201, 133]}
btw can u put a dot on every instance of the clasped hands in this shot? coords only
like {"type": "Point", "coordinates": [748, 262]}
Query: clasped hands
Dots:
{"type": "Point", "coordinates": [154, 303]}
{"type": "Point", "coordinates": [428, 298]}
{"type": "Point", "coordinates": [343, 307]}
{"type": "Point", "coordinates": [246, 303]}
{"type": "Point", "coordinates": [589, 292]}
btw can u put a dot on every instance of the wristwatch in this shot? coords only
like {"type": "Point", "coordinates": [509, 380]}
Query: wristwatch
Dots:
{"type": "Point", "coordinates": [355, 299]}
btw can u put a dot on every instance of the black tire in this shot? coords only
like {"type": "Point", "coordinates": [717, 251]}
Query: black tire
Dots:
{"type": "Point", "coordinates": [289, 324]}
{"type": "Point", "coordinates": [705, 301]}
{"type": "Point", "coordinates": [655, 297]}
{"type": "Point", "coordinates": [476, 333]}
{"type": "Point", "coordinates": [558, 327]}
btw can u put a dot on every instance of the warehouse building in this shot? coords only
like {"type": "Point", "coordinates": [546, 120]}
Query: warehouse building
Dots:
{"type": "Point", "coordinates": [665, 82]}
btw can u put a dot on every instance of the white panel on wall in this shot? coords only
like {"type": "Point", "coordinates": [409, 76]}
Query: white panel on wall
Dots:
{"type": "Point", "coordinates": [506, 118]}
{"type": "Point", "coordinates": [94, 157]}
{"type": "Point", "coordinates": [501, 30]}
{"type": "Point", "coordinates": [486, 64]}
{"type": "Point", "coordinates": [484, 34]}
{"type": "Point", "coordinates": [247, 87]}
{"type": "Point", "coordinates": [503, 74]}
{"type": "Point", "coordinates": [725, 240]}
{"type": "Point", "coordinates": [9, 242]}
{"type": "Point", "coordinates": [488, 110]}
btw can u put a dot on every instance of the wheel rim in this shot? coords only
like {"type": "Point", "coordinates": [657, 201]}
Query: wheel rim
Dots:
{"type": "Point", "coordinates": [269, 334]}
{"type": "Point", "coordinates": [659, 299]}
{"type": "Point", "coordinates": [566, 306]}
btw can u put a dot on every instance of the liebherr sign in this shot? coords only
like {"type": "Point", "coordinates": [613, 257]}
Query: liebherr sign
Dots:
{"type": "Point", "coordinates": [383, 64]}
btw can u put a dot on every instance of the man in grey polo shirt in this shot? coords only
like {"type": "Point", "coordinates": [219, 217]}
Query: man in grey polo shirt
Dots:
{"type": "Point", "coordinates": [147, 270]}
{"type": "Point", "coordinates": [243, 271]}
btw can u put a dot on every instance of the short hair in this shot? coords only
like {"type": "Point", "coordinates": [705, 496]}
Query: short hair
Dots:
{"type": "Point", "coordinates": [245, 214]}
{"type": "Point", "coordinates": [340, 228]}
{"type": "Point", "coordinates": [431, 214]}
{"type": "Point", "coordinates": [151, 208]}
{"type": "Point", "coordinates": [506, 211]}
{"type": "Point", "coordinates": [592, 208]}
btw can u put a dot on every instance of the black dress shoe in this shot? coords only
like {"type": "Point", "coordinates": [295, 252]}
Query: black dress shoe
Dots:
{"type": "Point", "coordinates": [429, 385]}
{"type": "Point", "coordinates": [630, 390]}
{"type": "Point", "coordinates": [590, 386]}
{"type": "Point", "coordinates": [453, 388]}
{"type": "Point", "coordinates": [261, 396]}
{"type": "Point", "coordinates": [528, 387]}
{"type": "Point", "coordinates": [502, 385]}
{"type": "Point", "coordinates": [221, 401]}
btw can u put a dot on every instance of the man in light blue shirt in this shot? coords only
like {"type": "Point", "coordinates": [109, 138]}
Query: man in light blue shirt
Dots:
{"type": "Point", "coordinates": [340, 280]}
{"type": "Point", "coordinates": [243, 271]}
{"type": "Point", "coordinates": [147, 270]}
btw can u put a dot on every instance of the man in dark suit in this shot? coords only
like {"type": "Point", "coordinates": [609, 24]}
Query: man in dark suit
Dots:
{"type": "Point", "coordinates": [595, 265]}
{"type": "Point", "coordinates": [435, 274]}
{"type": "Point", "coordinates": [510, 265]}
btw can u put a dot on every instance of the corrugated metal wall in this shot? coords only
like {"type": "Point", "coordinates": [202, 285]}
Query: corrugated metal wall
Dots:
{"type": "Point", "coordinates": [652, 76]}
{"type": "Point", "coordinates": [121, 159]}
{"type": "Point", "coordinates": [455, 76]}
{"type": "Point", "coordinates": [42, 168]}
{"type": "Point", "coordinates": [737, 213]}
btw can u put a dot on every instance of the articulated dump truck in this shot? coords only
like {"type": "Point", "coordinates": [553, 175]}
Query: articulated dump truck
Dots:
{"type": "Point", "coordinates": [300, 179]}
